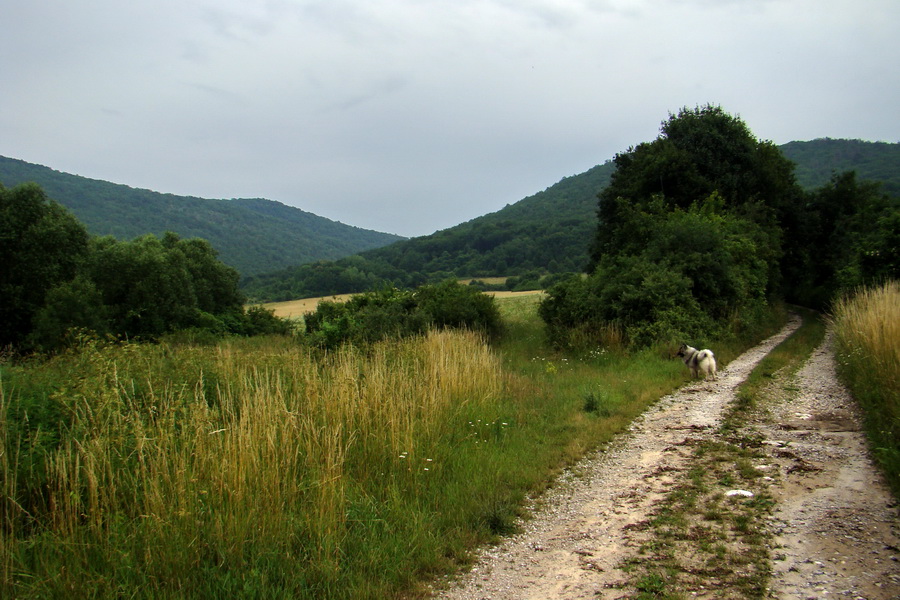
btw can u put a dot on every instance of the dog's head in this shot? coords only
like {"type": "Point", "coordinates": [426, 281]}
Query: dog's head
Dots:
{"type": "Point", "coordinates": [683, 350]}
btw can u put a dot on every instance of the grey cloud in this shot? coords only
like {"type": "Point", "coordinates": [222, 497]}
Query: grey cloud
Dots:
{"type": "Point", "coordinates": [407, 115]}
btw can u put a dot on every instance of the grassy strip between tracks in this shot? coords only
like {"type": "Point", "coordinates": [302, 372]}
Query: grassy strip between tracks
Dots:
{"type": "Point", "coordinates": [700, 540]}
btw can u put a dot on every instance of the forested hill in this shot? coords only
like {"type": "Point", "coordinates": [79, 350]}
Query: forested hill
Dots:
{"type": "Point", "coordinates": [252, 235]}
{"type": "Point", "coordinates": [526, 235]}
{"type": "Point", "coordinates": [818, 159]}
{"type": "Point", "coordinates": [549, 232]}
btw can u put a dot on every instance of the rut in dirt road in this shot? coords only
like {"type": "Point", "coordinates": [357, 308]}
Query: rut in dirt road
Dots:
{"type": "Point", "coordinates": [581, 533]}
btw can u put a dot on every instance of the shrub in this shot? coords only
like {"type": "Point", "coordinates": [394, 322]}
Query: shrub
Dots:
{"type": "Point", "coordinates": [450, 304]}
{"type": "Point", "coordinates": [391, 312]}
{"type": "Point", "coordinates": [262, 321]}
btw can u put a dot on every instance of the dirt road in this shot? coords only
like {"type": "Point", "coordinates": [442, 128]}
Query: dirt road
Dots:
{"type": "Point", "coordinates": [836, 526]}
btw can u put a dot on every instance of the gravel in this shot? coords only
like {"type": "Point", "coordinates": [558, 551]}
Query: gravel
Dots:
{"type": "Point", "coordinates": [835, 523]}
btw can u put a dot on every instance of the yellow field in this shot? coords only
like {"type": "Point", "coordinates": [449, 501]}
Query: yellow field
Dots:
{"type": "Point", "coordinates": [487, 280]}
{"type": "Point", "coordinates": [298, 308]}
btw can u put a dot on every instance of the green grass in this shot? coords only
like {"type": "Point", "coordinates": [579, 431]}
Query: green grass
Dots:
{"type": "Point", "coordinates": [261, 468]}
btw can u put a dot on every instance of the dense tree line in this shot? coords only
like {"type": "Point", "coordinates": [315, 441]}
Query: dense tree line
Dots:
{"type": "Point", "coordinates": [701, 228]}
{"type": "Point", "coordinates": [56, 278]}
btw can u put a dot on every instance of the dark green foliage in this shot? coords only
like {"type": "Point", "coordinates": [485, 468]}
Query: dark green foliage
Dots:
{"type": "Point", "coordinates": [819, 160]}
{"type": "Point", "coordinates": [262, 321]}
{"type": "Point", "coordinates": [699, 152]}
{"type": "Point", "coordinates": [699, 228]}
{"type": "Point", "coordinates": [850, 237]}
{"type": "Point", "coordinates": [530, 280]}
{"type": "Point", "coordinates": [366, 318]}
{"type": "Point", "coordinates": [449, 304]}
{"type": "Point", "coordinates": [150, 286]}
{"type": "Point", "coordinates": [688, 236]}
{"type": "Point", "coordinates": [41, 246]}
{"type": "Point", "coordinates": [392, 312]}
{"type": "Point", "coordinates": [70, 307]}
{"type": "Point", "coordinates": [253, 235]}
{"type": "Point", "coordinates": [57, 281]}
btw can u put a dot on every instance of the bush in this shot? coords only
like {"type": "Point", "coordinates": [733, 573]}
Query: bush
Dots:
{"type": "Point", "coordinates": [450, 304]}
{"type": "Point", "coordinates": [262, 321]}
{"type": "Point", "coordinates": [391, 312]}
{"type": "Point", "coordinates": [694, 270]}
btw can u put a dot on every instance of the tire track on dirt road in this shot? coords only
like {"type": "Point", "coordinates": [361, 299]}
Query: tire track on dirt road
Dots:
{"type": "Point", "coordinates": [579, 535]}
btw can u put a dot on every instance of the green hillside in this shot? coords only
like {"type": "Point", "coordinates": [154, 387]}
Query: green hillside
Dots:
{"type": "Point", "coordinates": [285, 253]}
{"type": "Point", "coordinates": [818, 159]}
{"type": "Point", "coordinates": [548, 232]}
{"type": "Point", "coordinates": [252, 235]}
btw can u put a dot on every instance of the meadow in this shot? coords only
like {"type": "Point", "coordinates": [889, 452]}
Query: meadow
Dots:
{"type": "Point", "coordinates": [260, 467]}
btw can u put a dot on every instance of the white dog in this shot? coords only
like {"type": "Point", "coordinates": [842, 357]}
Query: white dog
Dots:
{"type": "Point", "coordinates": [699, 361]}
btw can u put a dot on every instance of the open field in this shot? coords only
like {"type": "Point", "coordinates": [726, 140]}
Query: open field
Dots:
{"type": "Point", "coordinates": [262, 467]}
{"type": "Point", "coordinates": [298, 308]}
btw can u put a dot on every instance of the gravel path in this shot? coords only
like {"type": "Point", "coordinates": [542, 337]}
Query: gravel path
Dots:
{"type": "Point", "coordinates": [583, 529]}
{"type": "Point", "coordinates": [836, 524]}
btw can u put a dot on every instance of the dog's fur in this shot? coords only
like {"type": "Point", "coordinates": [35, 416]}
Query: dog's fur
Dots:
{"type": "Point", "coordinates": [698, 361]}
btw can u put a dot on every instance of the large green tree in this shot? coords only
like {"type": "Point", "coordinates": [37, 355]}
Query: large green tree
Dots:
{"type": "Point", "coordinates": [42, 246]}
{"type": "Point", "coordinates": [699, 152]}
{"type": "Point", "coordinates": [151, 286]}
{"type": "Point", "coordinates": [689, 235]}
{"type": "Point", "coordinates": [849, 236]}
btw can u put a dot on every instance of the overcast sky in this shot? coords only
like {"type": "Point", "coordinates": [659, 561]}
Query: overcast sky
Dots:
{"type": "Point", "coordinates": [409, 116]}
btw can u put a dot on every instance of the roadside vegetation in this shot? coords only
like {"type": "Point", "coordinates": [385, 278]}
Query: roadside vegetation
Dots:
{"type": "Point", "coordinates": [867, 336]}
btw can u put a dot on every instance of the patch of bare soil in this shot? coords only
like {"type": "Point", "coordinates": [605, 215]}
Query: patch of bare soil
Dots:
{"type": "Point", "coordinates": [836, 526]}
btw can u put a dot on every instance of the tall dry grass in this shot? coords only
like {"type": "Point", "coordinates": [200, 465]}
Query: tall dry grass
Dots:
{"type": "Point", "coordinates": [157, 485]}
{"type": "Point", "coordinates": [867, 339]}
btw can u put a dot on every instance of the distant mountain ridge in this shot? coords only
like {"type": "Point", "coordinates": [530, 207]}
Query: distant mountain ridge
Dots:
{"type": "Point", "coordinates": [254, 235]}
{"type": "Point", "coordinates": [550, 231]}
